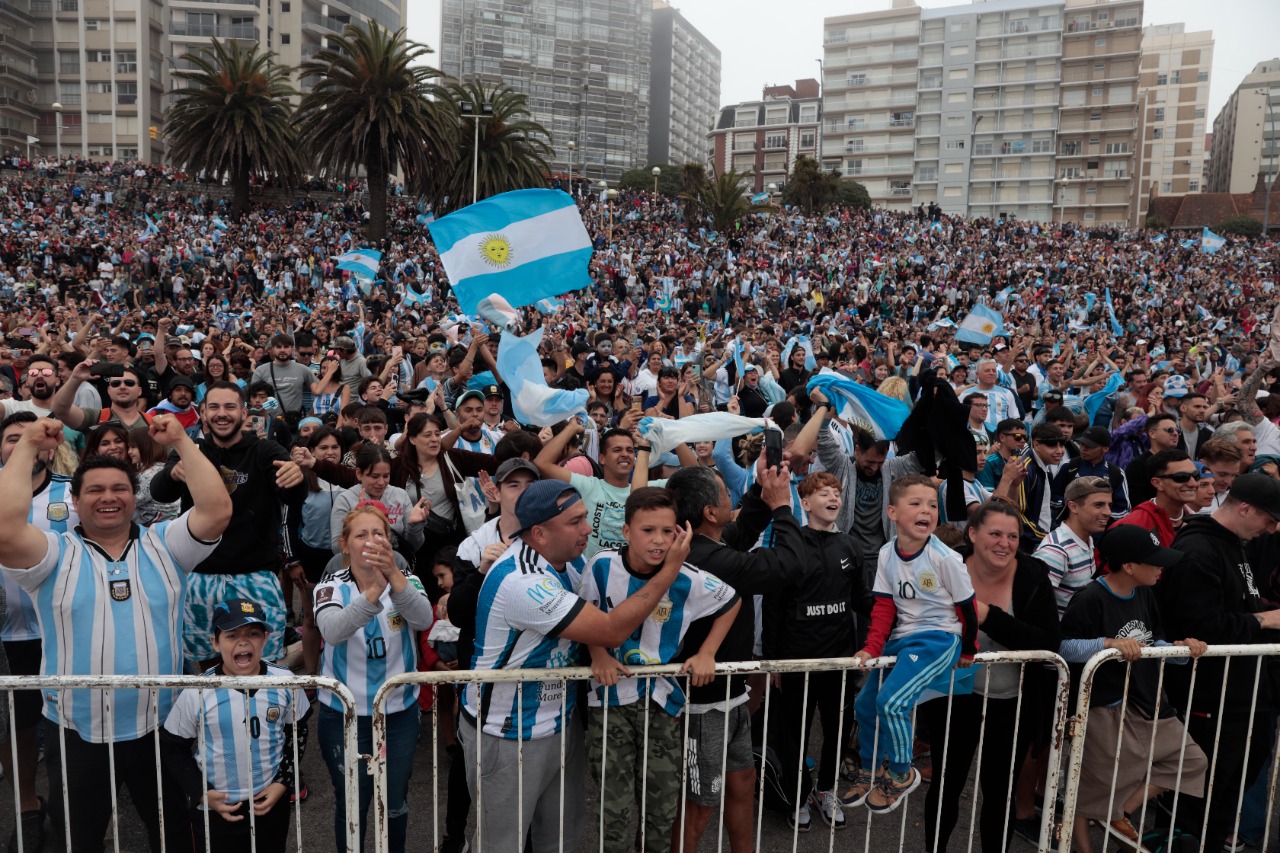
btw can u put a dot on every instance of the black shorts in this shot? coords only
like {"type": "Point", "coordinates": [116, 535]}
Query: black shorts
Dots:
{"type": "Point", "coordinates": [24, 659]}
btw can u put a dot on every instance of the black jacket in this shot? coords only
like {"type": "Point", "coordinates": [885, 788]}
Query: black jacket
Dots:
{"type": "Point", "coordinates": [766, 570]}
{"type": "Point", "coordinates": [814, 618]}
{"type": "Point", "coordinates": [1211, 595]}
{"type": "Point", "coordinates": [251, 542]}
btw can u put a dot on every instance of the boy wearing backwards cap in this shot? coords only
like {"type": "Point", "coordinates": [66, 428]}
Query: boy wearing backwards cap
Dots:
{"type": "Point", "coordinates": [1118, 611]}
{"type": "Point", "coordinates": [247, 761]}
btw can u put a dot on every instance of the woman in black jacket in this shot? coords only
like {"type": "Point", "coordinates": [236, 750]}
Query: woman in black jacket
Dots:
{"type": "Point", "coordinates": [1016, 612]}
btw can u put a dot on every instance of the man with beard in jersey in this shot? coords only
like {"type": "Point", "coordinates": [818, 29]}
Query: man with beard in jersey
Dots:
{"type": "Point", "coordinates": [260, 476]}
{"type": "Point", "coordinates": [51, 510]}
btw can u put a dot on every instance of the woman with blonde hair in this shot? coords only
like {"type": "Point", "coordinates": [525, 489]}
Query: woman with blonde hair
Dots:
{"type": "Point", "coordinates": [895, 387]}
{"type": "Point", "coordinates": [367, 613]}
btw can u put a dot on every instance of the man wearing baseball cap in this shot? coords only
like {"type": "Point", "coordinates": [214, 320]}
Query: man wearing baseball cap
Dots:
{"type": "Point", "coordinates": [1091, 461]}
{"type": "Point", "coordinates": [1068, 550]}
{"type": "Point", "coordinates": [494, 407]}
{"type": "Point", "coordinates": [1212, 594]}
{"type": "Point", "coordinates": [530, 618]}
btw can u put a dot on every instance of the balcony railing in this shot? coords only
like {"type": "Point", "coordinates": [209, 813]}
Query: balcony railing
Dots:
{"type": "Point", "coordinates": [222, 31]}
{"type": "Point", "coordinates": [17, 8]}
{"type": "Point", "coordinates": [336, 25]}
{"type": "Point", "coordinates": [1023, 52]}
{"type": "Point", "coordinates": [28, 74]}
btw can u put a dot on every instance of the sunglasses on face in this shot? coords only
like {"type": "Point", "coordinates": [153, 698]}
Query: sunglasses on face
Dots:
{"type": "Point", "coordinates": [127, 383]}
{"type": "Point", "coordinates": [1016, 436]}
{"type": "Point", "coordinates": [1180, 477]}
{"type": "Point", "coordinates": [40, 371]}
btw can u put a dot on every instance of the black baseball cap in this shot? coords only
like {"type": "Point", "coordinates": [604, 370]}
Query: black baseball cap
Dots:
{"type": "Point", "coordinates": [1095, 437]}
{"type": "Point", "coordinates": [491, 391]}
{"type": "Point", "coordinates": [236, 613]}
{"type": "Point", "coordinates": [1258, 490]}
{"type": "Point", "coordinates": [1129, 543]}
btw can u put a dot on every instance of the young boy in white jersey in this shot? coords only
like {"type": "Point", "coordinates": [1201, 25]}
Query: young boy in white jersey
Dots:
{"type": "Point", "coordinates": [639, 738]}
{"type": "Point", "coordinates": [247, 762]}
{"type": "Point", "coordinates": [924, 614]}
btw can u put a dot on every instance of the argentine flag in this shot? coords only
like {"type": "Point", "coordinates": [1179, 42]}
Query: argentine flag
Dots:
{"type": "Point", "coordinates": [878, 414]}
{"type": "Point", "coordinates": [532, 401]}
{"type": "Point", "coordinates": [524, 246]}
{"type": "Point", "coordinates": [362, 263]}
{"type": "Point", "coordinates": [1210, 242]}
{"type": "Point", "coordinates": [980, 326]}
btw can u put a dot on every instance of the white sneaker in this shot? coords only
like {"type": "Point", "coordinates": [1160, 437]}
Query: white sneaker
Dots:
{"type": "Point", "coordinates": [828, 808]}
{"type": "Point", "coordinates": [801, 820]}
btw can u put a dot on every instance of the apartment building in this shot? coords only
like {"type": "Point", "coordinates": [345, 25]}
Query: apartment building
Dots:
{"type": "Point", "coordinates": [583, 65]}
{"type": "Point", "coordinates": [870, 65]}
{"type": "Point", "coordinates": [987, 108]}
{"type": "Point", "coordinates": [17, 76]}
{"type": "Point", "coordinates": [1246, 132]}
{"type": "Point", "coordinates": [104, 67]}
{"type": "Point", "coordinates": [763, 138]}
{"type": "Point", "coordinates": [1173, 90]}
{"type": "Point", "coordinates": [684, 76]}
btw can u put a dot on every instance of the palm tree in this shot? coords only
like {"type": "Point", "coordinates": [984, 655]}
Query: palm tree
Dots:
{"type": "Point", "coordinates": [722, 200]}
{"type": "Point", "coordinates": [513, 150]}
{"type": "Point", "coordinates": [233, 117]}
{"type": "Point", "coordinates": [371, 108]}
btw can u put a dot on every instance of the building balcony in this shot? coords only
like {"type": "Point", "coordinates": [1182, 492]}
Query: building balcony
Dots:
{"type": "Point", "coordinates": [18, 9]}
{"type": "Point", "coordinates": [875, 171]}
{"type": "Point", "coordinates": [323, 24]}
{"type": "Point", "coordinates": [223, 31]}
{"type": "Point", "coordinates": [837, 127]}
{"type": "Point", "coordinates": [189, 3]}
{"type": "Point", "coordinates": [1093, 126]}
{"type": "Point", "coordinates": [905, 146]}
{"type": "Point", "coordinates": [1020, 28]}
{"type": "Point", "coordinates": [1022, 52]}
{"type": "Point", "coordinates": [25, 74]}
{"type": "Point", "coordinates": [905, 100]}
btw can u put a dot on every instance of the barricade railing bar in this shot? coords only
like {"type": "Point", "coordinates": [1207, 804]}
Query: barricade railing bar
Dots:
{"type": "Point", "coordinates": [155, 685]}
{"type": "Point", "coordinates": [765, 694]}
{"type": "Point", "coordinates": [1181, 702]}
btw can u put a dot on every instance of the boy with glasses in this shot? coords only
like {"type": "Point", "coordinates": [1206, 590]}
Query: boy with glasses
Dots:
{"type": "Point", "coordinates": [1011, 439]}
{"type": "Point", "coordinates": [1162, 434]}
{"type": "Point", "coordinates": [1175, 480]}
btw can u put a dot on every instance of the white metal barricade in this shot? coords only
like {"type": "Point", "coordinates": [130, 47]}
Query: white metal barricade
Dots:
{"type": "Point", "coordinates": [563, 679]}
{"type": "Point", "coordinates": [1252, 656]}
{"type": "Point", "coordinates": [153, 686]}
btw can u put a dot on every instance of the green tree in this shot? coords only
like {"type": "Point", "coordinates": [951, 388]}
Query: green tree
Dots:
{"type": "Point", "coordinates": [371, 107]}
{"type": "Point", "coordinates": [693, 176]}
{"type": "Point", "coordinates": [722, 200]}
{"type": "Point", "coordinates": [1240, 226]}
{"type": "Point", "coordinates": [232, 117]}
{"type": "Point", "coordinates": [514, 150]}
{"type": "Point", "coordinates": [810, 188]}
{"type": "Point", "coordinates": [641, 180]}
{"type": "Point", "coordinates": [853, 194]}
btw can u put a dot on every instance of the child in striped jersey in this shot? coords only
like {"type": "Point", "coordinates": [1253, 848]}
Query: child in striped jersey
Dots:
{"type": "Point", "coordinates": [637, 735]}
{"type": "Point", "coordinates": [247, 760]}
{"type": "Point", "coordinates": [924, 614]}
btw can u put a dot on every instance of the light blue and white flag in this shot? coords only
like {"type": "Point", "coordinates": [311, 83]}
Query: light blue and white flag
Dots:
{"type": "Point", "coordinates": [878, 414]}
{"type": "Point", "coordinates": [524, 245]}
{"type": "Point", "coordinates": [548, 306]}
{"type": "Point", "coordinates": [980, 326]}
{"type": "Point", "coordinates": [1003, 296]}
{"type": "Point", "coordinates": [425, 219]}
{"type": "Point", "coordinates": [1094, 401]}
{"type": "Point", "coordinates": [810, 363]}
{"type": "Point", "coordinates": [218, 223]}
{"type": "Point", "coordinates": [532, 401]}
{"type": "Point", "coordinates": [413, 296]}
{"type": "Point", "coordinates": [760, 198]}
{"type": "Point", "coordinates": [1116, 328]}
{"type": "Point", "coordinates": [497, 312]}
{"type": "Point", "coordinates": [362, 263]}
{"type": "Point", "coordinates": [664, 434]}
{"type": "Point", "coordinates": [944, 323]}
{"type": "Point", "coordinates": [1211, 242]}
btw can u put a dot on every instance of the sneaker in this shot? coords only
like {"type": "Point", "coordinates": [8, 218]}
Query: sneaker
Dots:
{"type": "Point", "coordinates": [863, 782]}
{"type": "Point", "coordinates": [1236, 844]}
{"type": "Point", "coordinates": [891, 789]}
{"type": "Point", "coordinates": [828, 808]}
{"type": "Point", "coordinates": [453, 845]}
{"type": "Point", "coordinates": [32, 828]}
{"type": "Point", "coordinates": [1026, 828]}
{"type": "Point", "coordinates": [1124, 827]}
{"type": "Point", "coordinates": [801, 819]}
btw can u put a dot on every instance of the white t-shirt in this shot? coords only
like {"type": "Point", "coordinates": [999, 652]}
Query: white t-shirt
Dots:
{"type": "Point", "coordinates": [925, 589]}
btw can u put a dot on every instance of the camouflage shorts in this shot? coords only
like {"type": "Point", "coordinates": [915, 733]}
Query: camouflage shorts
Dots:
{"type": "Point", "coordinates": [638, 773]}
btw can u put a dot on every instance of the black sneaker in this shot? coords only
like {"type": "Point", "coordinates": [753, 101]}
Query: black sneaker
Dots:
{"type": "Point", "coordinates": [32, 827]}
{"type": "Point", "coordinates": [1026, 828]}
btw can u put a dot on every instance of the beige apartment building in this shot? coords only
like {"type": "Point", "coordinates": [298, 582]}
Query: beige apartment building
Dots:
{"type": "Point", "coordinates": [1246, 132]}
{"type": "Point", "coordinates": [1173, 90]}
{"type": "Point", "coordinates": [17, 77]}
{"type": "Point", "coordinates": [104, 67]}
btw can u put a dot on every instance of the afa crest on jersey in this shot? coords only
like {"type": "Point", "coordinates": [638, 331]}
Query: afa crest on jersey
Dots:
{"type": "Point", "coordinates": [273, 713]}
{"type": "Point", "coordinates": [58, 511]}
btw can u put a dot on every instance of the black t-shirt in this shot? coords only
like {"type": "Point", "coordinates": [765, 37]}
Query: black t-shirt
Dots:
{"type": "Point", "coordinates": [1097, 612]}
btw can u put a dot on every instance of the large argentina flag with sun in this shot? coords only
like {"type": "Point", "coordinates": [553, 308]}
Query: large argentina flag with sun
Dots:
{"type": "Point", "coordinates": [525, 246]}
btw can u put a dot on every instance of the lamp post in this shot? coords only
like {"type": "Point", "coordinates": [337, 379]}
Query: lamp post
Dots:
{"type": "Point", "coordinates": [477, 113]}
{"type": "Point", "coordinates": [612, 194]}
{"type": "Point", "coordinates": [973, 136]}
{"type": "Point", "coordinates": [1062, 200]}
{"type": "Point", "coordinates": [57, 128]}
{"type": "Point", "coordinates": [821, 71]}
{"type": "Point", "coordinates": [772, 188]}
{"type": "Point", "coordinates": [1271, 171]}
{"type": "Point", "coordinates": [572, 146]}
{"type": "Point", "coordinates": [603, 186]}
{"type": "Point", "coordinates": [655, 172]}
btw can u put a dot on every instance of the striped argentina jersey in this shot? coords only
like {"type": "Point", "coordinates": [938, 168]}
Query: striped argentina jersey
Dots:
{"type": "Point", "coordinates": [925, 588]}
{"type": "Point", "coordinates": [244, 735]}
{"type": "Point", "coordinates": [51, 510]}
{"type": "Point", "coordinates": [523, 606]}
{"type": "Point", "coordinates": [694, 594]}
{"type": "Point", "coordinates": [100, 616]}
{"type": "Point", "coordinates": [383, 649]}
{"type": "Point", "coordinates": [487, 441]}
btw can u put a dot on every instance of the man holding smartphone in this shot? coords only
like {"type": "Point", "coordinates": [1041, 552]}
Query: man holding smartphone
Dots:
{"type": "Point", "coordinates": [288, 379]}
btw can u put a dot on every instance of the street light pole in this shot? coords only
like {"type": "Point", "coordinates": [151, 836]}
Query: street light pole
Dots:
{"type": "Point", "coordinates": [1271, 170]}
{"type": "Point", "coordinates": [572, 145]}
{"type": "Point", "coordinates": [973, 135]}
{"type": "Point", "coordinates": [57, 128]}
{"type": "Point", "coordinates": [612, 194]}
{"type": "Point", "coordinates": [821, 72]}
{"type": "Point", "coordinates": [468, 110]}
{"type": "Point", "coordinates": [656, 173]}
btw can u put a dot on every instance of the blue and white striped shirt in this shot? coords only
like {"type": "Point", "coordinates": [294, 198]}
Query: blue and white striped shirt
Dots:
{"type": "Point", "coordinates": [51, 510]}
{"type": "Point", "coordinates": [100, 616]}
{"type": "Point", "coordinates": [694, 594]}
{"type": "Point", "coordinates": [244, 735]}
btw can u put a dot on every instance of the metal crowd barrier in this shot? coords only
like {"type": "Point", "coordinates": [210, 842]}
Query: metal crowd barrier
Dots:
{"type": "Point", "coordinates": [1079, 728]}
{"type": "Point", "coordinates": [154, 685]}
{"type": "Point", "coordinates": [899, 825]}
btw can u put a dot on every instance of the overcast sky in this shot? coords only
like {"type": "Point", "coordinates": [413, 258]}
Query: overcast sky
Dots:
{"type": "Point", "coordinates": [764, 41]}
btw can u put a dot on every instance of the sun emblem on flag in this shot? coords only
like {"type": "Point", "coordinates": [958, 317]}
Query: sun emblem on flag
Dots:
{"type": "Point", "coordinates": [988, 327]}
{"type": "Point", "coordinates": [496, 250]}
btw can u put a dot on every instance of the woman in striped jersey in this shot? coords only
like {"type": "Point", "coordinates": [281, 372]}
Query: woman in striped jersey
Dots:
{"type": "Point", "coordinates": [367, 614]}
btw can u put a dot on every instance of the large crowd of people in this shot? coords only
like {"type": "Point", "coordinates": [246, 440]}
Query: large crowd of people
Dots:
{"type": "Point", "coordinates": [221, 452]}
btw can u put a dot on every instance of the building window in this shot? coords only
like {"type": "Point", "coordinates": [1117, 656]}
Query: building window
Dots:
{"type": "Point", "coordinates": [855, 123]}
{"type": "Point", "coordinates": [1100, 42]}
{"type": "Point", "coordinates": [1041, 146]}
{"type": "Point", "coordinates": [98, 55]}
{"type": "Point", "coordinates": [1166, 186]}
{"type": "Point", "coordinates": [1162, 79]}
{"type": "Point", "coordinates": [1199, 112]}
{"type": "Point", "coordinates": [1088, 214]}
{"type": "Point", "coordinates": [286, 7]}
{"type": "Point", "coordinates": [853, 167]}
{"type": "Point", "coordinates": [1175, 76]}
{"type": "Point", "coordinates": [1202, 76]}
{"type": "Point", "coordinates": [285, 38]}
{"type": "Point", "coordinates": [1071, 173]}
{"type": "Point", "coordinates": [127, 62]}
{"type": "Point", "coordinates": [853, 146]}
{"type": "Point", "coordinates": [1193, 185]}
{"type": "Point", "coordinates": [1159, 114]}
{"type": "Point", "coordinates": [955, 145]}
{"type": "Point", "coordinates": [1096, 92]}
{"type": "Point", "coordinates": [94, 24]}
{"type": "Point", "coordinates": [1157, 133]}
{"type": "Point", "coordinates": [808, 139]}
{"type": "Point", "coordinates": [775, 140]}
{"type": "Point", "coordinates": [1117, 148]}
{"type": "Point", "coordinates": [982, 149]}
{"type": "Point", "coordinates": [857, 79]}
{"type": "Point", "coordinates": [956, 121]}
{"type": "Point", "coordinates": [1072, 149]}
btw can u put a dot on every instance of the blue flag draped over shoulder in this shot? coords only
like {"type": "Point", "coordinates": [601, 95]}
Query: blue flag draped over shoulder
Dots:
{"type": "Point", "coordinates": [1094, 401]}
{"type": "Point", "coordinates": [878, 414]}
{"type": "Point", "coordinates": [1116, 328]}
{"type": "Point", "coordinates": [532, 400]}
{"type": "Point", "coordinates": [524, 246]}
